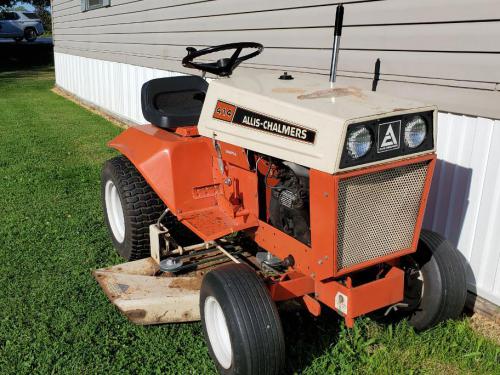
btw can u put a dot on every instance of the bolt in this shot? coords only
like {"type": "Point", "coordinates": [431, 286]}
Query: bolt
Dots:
{"type": "Point", "coordinates": [326, 258]}
{"type": "Point", "coordinates": [313, 275]}
{"type": "Point", "coordinates": [325, 194]}
{"type": "Point", "coordinates": [320, 262]}
{"type": "Point", "coordinates": [228, 181]}
{"type": "Point", "coordinates": [316, 295]}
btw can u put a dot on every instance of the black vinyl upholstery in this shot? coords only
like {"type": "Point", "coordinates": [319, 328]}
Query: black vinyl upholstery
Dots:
{"type": "Point", "coordinates": [174, 101]}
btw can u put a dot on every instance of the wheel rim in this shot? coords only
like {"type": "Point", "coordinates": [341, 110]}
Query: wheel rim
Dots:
{"type": "Point", "coordinates": [218, 332]}
{"type": "Point", "coordinates": [414, 283]}
{"type": "Point", "coordinates": [114, 211]}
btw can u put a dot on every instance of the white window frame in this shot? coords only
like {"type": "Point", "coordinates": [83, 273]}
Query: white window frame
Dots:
{"type": "Point", "coordinates": [86, 6]}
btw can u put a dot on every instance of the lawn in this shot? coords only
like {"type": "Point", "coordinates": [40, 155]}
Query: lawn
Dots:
{"type": "Point", "coordinates": [55, 319]}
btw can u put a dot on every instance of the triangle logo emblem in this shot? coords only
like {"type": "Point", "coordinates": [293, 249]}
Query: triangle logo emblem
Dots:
{"type": "Point", "coordinates": [389, 138]}
{"type": "Point", "coordinates": [389, 135]}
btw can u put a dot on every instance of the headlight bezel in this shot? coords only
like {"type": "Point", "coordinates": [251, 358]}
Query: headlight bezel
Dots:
{"type": "Point", "coordinates": [408, 123]}
{"type": "Point", "coordinates": [348, 139]}
{"type": "Point", "coordinates": [374, 154]}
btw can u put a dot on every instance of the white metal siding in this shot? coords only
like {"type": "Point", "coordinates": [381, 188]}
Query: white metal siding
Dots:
{"type": "Point", "coordinates": [464, 204]}
{"type": "Point", "coordinates": [465, 197]}
{"type": "Point", "coordinates": [104, 83]}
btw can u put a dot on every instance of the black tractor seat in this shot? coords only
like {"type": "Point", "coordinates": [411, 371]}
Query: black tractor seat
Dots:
{"type": "Point", "coordinates": [174, 101]}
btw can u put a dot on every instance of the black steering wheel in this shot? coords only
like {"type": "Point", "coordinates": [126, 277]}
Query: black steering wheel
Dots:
{"type": "Point", "coordinates": [222, 67]}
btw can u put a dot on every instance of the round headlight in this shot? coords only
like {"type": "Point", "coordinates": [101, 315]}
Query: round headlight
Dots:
{"type": "Point", "coordinates": [415, 132]}
{"type": "Point", "coordinates": [359, 142]}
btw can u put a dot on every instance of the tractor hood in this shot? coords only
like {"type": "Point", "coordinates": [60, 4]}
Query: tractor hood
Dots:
{"type": "Point", "coordinates": [303, 119]}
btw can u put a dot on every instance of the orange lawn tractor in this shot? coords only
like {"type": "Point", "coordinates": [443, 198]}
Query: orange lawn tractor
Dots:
{"type": "Point", "coordinates": [259, 187]}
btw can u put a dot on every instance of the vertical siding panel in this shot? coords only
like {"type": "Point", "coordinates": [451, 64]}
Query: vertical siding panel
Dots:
{"type": "Point", "coordinates": [104, 84]}
{"type": "Point", "coordinates": [442, 197]}
{"type": "Point", "coordinates": [458, 183]}
{"type": "Point", "coordinates": [140, 77]}
{"type": "Point", "coordinates": [100, 83]}
{"type": "Point", "coordinates": [118, 87]}
{"type": "Point", "coordinates": [110, 93]}
{"type": "Point", "coordinates": [477, 167]}
{"type": "Point", "coordinates": [96, 82]}
{"type": "Point", "coordinates": [74, 80]}
{"type": "Point", "coordinates": [126, 88]}
{"type": "Point", "coordinates": [133, 92]}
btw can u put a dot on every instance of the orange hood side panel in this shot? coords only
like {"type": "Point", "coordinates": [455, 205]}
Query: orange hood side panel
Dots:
{"type": "Point", "coordinates": [171, 164]}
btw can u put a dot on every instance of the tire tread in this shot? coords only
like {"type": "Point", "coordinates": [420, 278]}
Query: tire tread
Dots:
{"type": "Point", "coordinates": [256, 313]}
{"type": "Point", "coordinates": [453, 275]}
{"type": "Point", "coordinates": [142, 207]}
{"type": "Point", "coordinates": [453, 284]}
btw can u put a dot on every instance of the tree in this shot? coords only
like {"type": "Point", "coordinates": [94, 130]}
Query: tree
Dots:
{"type": "Point", "coordinates": [36, 3]}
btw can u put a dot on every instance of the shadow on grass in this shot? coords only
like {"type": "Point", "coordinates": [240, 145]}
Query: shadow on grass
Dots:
{"type": "Point", "coordinates": [17, 58]}
{"type": "Point", "coordinates": [307, 337]}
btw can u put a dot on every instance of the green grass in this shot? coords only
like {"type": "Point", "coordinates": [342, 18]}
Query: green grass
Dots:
{"type": "Point", "coordinates": [55, 319]}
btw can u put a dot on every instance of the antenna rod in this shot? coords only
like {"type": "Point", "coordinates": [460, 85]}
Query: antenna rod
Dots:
{"type": "Point", "coordinates": [339, 19]}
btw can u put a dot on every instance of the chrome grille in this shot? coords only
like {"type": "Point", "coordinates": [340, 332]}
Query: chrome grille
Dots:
{"type": "Point", "coordinates": [377, 213]}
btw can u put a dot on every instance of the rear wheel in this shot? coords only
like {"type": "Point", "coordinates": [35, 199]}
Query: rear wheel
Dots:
{"type": "Point", "coordinates": [130, 206]}
{"type": "Point", "coordinates": [30, 34]}
{"type": "Point", "coordinates": [240, 322]}
{"type": "Point", "coordinates": [435, 283]}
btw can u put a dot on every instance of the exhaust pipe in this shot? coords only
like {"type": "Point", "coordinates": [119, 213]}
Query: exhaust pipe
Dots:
{"type": "Point", "coordinates": [339, 19]}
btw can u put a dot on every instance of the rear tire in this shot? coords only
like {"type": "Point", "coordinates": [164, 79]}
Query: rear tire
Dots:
{"type": "Point", "coordinates": [130, 206]}
{"type": "Point", "coordinates": [240, 322]}
{"type": "Point", "coordinates": [438, 289]}
{"type": "Point", "coordinates": [30, 34]}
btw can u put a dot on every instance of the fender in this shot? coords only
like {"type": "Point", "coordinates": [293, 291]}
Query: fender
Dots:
{"type": "Point", "coordinates": [171, 164]}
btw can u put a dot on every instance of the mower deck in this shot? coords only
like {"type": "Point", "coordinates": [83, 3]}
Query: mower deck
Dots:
{"type": "Point", "coordinates": [146, 296]}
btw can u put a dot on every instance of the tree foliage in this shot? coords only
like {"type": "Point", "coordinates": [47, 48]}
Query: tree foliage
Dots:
{"type": "Point", "coordinates": [38, 4]}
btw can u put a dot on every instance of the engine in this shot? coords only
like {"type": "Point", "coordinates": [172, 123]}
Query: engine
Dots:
{"type": "Point", "coordinates": [289, 202]}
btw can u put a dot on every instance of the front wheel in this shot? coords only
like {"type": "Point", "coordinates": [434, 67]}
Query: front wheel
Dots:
{"type": "Point", "coordinates": [435, 282]}
{"type": "Point", "coordinates": [240, 321]}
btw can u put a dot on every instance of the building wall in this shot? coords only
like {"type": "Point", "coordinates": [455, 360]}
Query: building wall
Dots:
{"type": "Point", "coordinates": [465, 197]}
{"type": "Point", "coordinates": [446, 52]}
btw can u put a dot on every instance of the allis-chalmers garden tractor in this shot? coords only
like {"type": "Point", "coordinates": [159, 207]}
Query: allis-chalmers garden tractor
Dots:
{"type": "Point", "coordinates": [256, 188]}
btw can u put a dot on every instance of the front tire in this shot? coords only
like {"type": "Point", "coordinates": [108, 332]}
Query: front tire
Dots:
{"type": "Point", "coordinates": [130, 206]}
{"type": "Point", "coordinates": [435, 282]}
{"type": "Point", "coordinates": [240, 321]}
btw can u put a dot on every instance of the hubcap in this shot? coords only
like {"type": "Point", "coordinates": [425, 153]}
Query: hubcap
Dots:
{"type": "Point", "coordinates": [218, 332]}
{"type": "Point", "coordinates": [114, 211]}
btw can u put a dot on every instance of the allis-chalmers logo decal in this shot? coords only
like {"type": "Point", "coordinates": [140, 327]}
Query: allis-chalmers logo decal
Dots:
{"type": "Point", "coordinates": [240, 116]}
